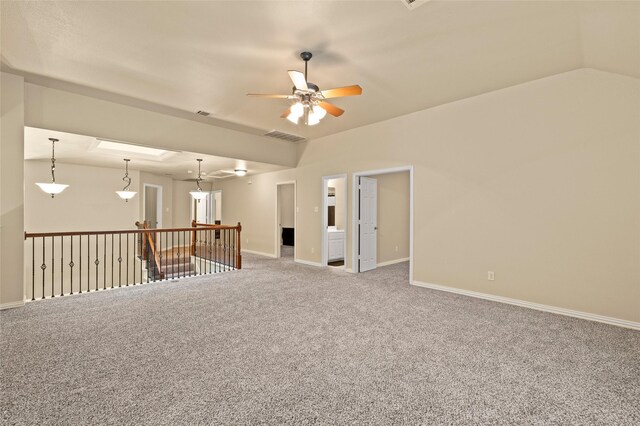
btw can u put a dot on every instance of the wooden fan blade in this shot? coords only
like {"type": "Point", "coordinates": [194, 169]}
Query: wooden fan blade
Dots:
{"type": "Point", "coordinates": [331, 109]}
{"type": "Point", "coordinates": [262, 95]}
{"type": "Point", "coordinates": [286, 113]}
{"type": "Point", "coordinates": [298, 80]}
{"type": "Point", "coordinates": [339, 92]}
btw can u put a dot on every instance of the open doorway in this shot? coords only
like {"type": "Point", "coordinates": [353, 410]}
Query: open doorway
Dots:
{"type": "Point", "coordinates": [286, 219]}
{"type": "Point", "coordinates": [383, 218]}
{"type": "Point", "coordinates": [334, 220]}
{"type": "Point", "coordinates": [208, 210]}
{"type": "Point", "coordinates": [152, 205]}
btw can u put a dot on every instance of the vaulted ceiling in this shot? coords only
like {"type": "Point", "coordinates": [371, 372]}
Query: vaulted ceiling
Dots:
{"type": "Point", "coordinates": [207, 55]}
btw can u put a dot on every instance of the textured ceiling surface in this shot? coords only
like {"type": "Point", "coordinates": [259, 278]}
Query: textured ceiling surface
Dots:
{"type": "Point", "coordinates": [207, 55]}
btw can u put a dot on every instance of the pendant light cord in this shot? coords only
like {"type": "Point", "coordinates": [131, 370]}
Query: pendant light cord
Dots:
{"type": "Point", "coordinates": [53, 159]}
{"type": "Point", "coordinates": [126, 177]}
{"type": "Point", "coordinates": [199, 176]}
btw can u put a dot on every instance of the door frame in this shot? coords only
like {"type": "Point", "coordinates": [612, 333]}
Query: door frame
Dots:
{"type": "Point", "coordinates": [324, 259]}
{"type": "Point", "coordinates": [295, 218]}
{"type": "Point", "coordinates": [209, 200]}
{"type": "Point", "coordinates": [213, 209]}
{"type": "Point", "coordinates": [158, 202]}
{"type": "Point", "coordinates": [355, 210]}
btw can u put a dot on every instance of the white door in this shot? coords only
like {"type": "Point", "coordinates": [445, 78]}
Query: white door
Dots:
{"type": "Point", "coordinates": [368, 222]}
{"type": "Point", "coordinates": [201, 210]}
{"type": "Point", "coordinates": [152, 210]}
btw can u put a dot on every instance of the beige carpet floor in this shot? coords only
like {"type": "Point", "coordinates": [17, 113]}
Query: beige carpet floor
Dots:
{"type": "Point", "coordinates": [283, 343]}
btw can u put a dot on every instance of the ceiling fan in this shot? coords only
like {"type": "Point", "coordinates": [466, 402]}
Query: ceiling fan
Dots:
{"type": "Point", "coordinates": [310, 104]}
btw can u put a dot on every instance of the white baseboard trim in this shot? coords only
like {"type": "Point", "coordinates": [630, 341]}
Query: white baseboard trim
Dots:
{"type": "Point", "coordinates": [259, 253]}
{"type": "Point", "coordinates": [392, 262]}
{"type": "Point", "coordinates": [308, 262]}
{"type": "Point", "coordinates": [531, 305]}
{"type": "Point", "coordinates": [11, 305]}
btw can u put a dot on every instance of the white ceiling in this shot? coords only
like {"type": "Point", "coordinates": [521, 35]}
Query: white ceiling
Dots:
{"type": "Point", "coordinates": [86, 150]}
{"type": "Point", "coordinates": [207, 55]}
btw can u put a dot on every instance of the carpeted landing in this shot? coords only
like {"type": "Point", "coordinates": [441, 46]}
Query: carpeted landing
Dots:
{"type": "Point", "coordinates": [282, 343]}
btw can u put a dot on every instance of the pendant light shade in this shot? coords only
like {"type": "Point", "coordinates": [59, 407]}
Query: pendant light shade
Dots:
{"type": "Point", "coordinates": [311, 114]}
{"type": "Point", "coordinates": [53, 188]}
{"type": "Point", "coordinates": [198, 194]}
{"type": "Point", "coordinates": [126, 194]}
{"type": "Point", "coordinates": [297, 110]}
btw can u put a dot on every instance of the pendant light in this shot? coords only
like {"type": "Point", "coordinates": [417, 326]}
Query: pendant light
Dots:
{"type": "Point", "coordinates": [53, 188]}
{"type": "Point", "coordinates": [199, 194]}
{"type": "Point", "coordinates": [126, 194]}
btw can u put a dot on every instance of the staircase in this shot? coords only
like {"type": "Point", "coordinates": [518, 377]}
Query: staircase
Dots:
{"type": "Point", "coordinates": [176, 262]}
{"type": "Point", "coordinates": [211, 249]}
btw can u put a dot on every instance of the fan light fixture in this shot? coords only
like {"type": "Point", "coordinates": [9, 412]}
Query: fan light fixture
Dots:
{"type": "Point", "coordinates": [198, 194]}
{"type": "Point", "coordinates": [125, 194]}
{"type": "Point", "coordinates": [240, 172]}
{"type": "Point", "coordinates": [309, 102]}
{"type": "Point", "coordinates": [53, 188]}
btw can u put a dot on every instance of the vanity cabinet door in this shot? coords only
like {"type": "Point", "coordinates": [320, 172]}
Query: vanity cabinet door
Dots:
{"type": "Point", "coordinates": [335, 249]}
{"type": "Point", "coordinates": [336, 245]}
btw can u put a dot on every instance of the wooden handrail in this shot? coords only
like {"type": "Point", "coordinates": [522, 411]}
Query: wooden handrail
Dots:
{"type": "Point", "coordinates": [127, 231]}
{"type": "Point", "coordinates": [211, 226]}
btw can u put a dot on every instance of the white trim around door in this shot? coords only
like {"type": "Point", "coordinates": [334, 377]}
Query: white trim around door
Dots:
{"type": "Point", "coordinates": [325, 219]}
{"type": "Point", "coordinates": [355, 211]}
{"type": "Point", "coordinates": [158, 203]}
{"type": "Point", "coordinates": [295, 219]}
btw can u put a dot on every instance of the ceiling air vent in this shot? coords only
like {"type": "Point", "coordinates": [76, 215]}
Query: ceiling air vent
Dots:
{"type": "Point", "coordinates": [203, 113]}
{"type": "Point", "coordinates": [284, 136]}
{"type": "Point", "coordinates": [413, 4]}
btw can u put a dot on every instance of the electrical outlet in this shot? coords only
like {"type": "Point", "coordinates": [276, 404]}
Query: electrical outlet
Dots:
{"type": "Point", "coordinates": [247, 241]}
{"type": "Point", "coordinates": [396, 248]}
{"type": "Point", "coordinates": [313, 250]}
{"type": "Point", "coordinates": [315, 209]}
{"type": "Point", "coordinates": [491, 276]}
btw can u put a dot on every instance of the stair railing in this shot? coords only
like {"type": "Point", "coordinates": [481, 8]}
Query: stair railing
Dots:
{"type": "Point", "coordinates": [148, 243]}
{"type": "Point", "coordinates": [218, 243]}
{"type": "Point", "coordinates": [62, 263]}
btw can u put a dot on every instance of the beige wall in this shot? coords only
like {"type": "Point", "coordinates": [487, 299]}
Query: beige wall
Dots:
{"type": "Point", "coordinates": [539, 183]}
{"type": "Point", "coordinates": [254, 205]}
{"type": "Point", "coordinates": [218, 199]}
{"type": "Point", "coordinates": [11, 192]}
{"type": "Point", "coordinates": [393, 216]}
{"type": "Point", "coordinates": [182, 203]}
{"type": "Point", "coordinates": [340, 186]}
{"type": "Point", "coordinates": [287, 206]}
{"type": "Point", "coordinates": [55, 109]}
{"type": "Point", "coordinates": [88, 204]}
